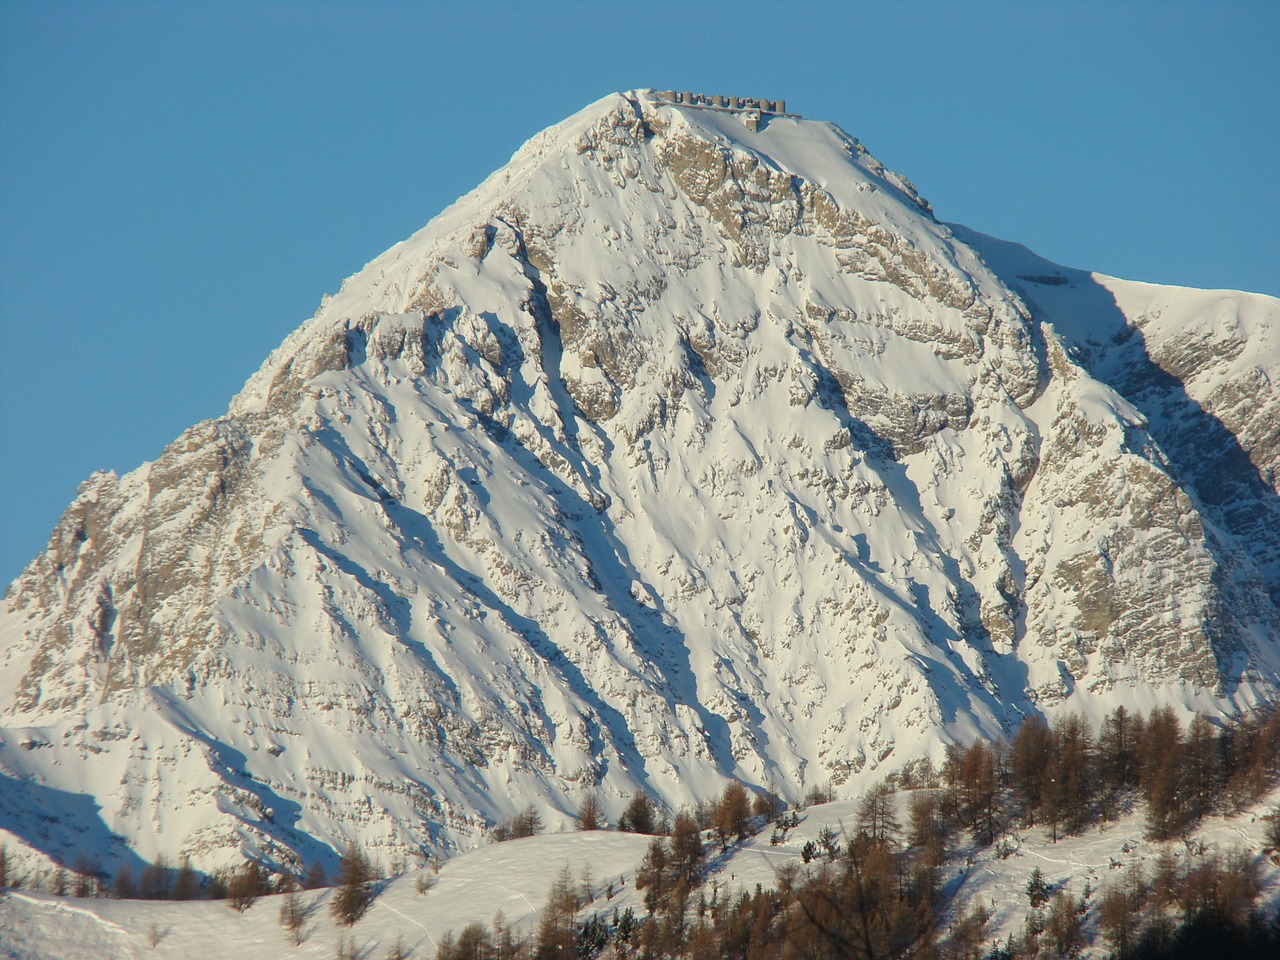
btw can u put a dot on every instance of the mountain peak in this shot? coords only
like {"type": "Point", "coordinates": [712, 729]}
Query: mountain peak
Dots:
{"type": "Point", "coordinates": [675, 452]}
{"type": "Point", "coordinates": [689, 183]}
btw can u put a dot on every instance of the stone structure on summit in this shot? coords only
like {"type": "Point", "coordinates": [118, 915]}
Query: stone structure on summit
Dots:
{"type": "Point", "coordinates": [750, 108]}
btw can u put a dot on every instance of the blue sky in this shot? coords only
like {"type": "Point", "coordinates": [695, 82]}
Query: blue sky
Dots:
{"type": "Point", "coordinates": [180, 183]}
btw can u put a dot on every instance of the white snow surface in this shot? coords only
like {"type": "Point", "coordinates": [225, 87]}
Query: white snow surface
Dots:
{"type": "Point", "coordinates": [513, 879]}
{"type": "Point", "coordinates": [672, 454]}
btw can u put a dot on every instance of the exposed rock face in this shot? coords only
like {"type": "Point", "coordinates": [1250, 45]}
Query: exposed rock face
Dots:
{"type": "Point", "coordinates": [1180, 569]}
{"type": "Point", "coordinates": [673, 453]}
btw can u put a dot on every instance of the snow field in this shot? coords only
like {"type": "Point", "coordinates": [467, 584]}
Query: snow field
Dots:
{"type": "Point", "coordinates": [513, 879]}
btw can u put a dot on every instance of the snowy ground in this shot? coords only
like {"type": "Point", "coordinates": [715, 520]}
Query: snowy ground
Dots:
{"type": "Point", "coordinates": [513, 878]}
{"type": "Point", "coordinates": [510, 877]}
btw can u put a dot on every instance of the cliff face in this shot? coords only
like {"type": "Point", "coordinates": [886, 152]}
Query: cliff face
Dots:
{"type": "Point", "coordinates": [1198, 368]}
{"type": "Point", "coordinates": [673, 453]}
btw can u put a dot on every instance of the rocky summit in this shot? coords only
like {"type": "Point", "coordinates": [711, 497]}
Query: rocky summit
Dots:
{"type": "Point", "coordinates": [677, 452]}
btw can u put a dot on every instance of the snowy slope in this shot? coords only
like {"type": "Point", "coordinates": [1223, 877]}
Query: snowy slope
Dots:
{"type": "Point", "coordinates": [673, 453]}
{"type": "Point", "coordinates": [514, 878]}
{"type": "Point", "coordinates": [511, 878]}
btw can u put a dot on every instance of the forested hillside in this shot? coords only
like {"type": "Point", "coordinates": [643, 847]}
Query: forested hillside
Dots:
{"type": "Point", "coordinates": [1140, 839]}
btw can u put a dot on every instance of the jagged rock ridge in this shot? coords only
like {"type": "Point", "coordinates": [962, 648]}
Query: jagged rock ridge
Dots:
{"type": "Point", "coordinates": [675, 452]}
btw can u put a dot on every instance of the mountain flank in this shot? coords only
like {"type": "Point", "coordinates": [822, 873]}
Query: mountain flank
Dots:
{"type": "Point", "coordinates": [675, 454]}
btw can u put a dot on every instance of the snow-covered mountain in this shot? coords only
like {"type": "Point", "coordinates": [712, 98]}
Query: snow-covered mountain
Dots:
{"type": "Point", "coordinates": [676, 452]}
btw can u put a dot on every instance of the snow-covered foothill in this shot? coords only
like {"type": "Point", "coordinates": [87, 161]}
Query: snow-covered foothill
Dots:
{"type": "Point", "coordinates": [513, 879]}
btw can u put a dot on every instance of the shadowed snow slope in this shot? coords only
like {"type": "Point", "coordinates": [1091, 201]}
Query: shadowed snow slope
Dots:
{"type": "Point", "coordinates": [674, 453]}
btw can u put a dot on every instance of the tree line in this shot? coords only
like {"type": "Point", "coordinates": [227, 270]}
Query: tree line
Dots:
{"type": "Point", "coordinates": [1065, 776]}
{"type": "Point", "coordinates": [876, 890]}
{"type": "Point", "coordinates": [240, 886]}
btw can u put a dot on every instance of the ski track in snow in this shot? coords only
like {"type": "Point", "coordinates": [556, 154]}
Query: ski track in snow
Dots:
{"type": "Point", "coordinates": [505, 889]}
{"type": "Point", "coordinates": [386, 906]}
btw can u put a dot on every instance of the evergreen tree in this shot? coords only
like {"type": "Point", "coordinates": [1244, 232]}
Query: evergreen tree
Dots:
{"type": "Point", "coordinates": [878, 813]}
{"type": "Point", "coordinates": [1073, 768]}
{"type": "Point", "coordinates": [1202, 768]}
{"type": "Point", "coordinates": [590, 816]}
{"type": "Point", "coordinates": [355, 887]}
{"type": "Point", "coordinates": [293, 916]}
{"type": "Point", "coordinates": [153, 884]}
{"type": "Point", "coordinates": [124, 887]}
{"type": "Point", "coordinates": [977, 789]}
{"type": "Point", "coordinates": [652, 875]}
{"type": "Point", "coordinates": [246, 885]}
{"type": "Point", "coordinates": [640, 816]}
{"type": "Point", "coordinates": [556, 931]}
{"type": "Point", "coordinates": [187, 883]}
{"type": "Point", "coordinates": [1037, 890]}
{"type": "Point", "coordinates": [527, 823]}
{"type": "Point", "coordinates": [1028, 761]}
{"type": "Point", "coordinates": [687, 855]}
{"type": "Point", "coordinates": [1159, 764]}
{"type": "Point", "coordinates": [732, 817]}
{"type": "Point", "coordinates": [315, 877]}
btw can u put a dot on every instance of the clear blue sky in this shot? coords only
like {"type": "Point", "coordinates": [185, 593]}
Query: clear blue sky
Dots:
{"type": "Point", "coordinates": [180, 183]}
